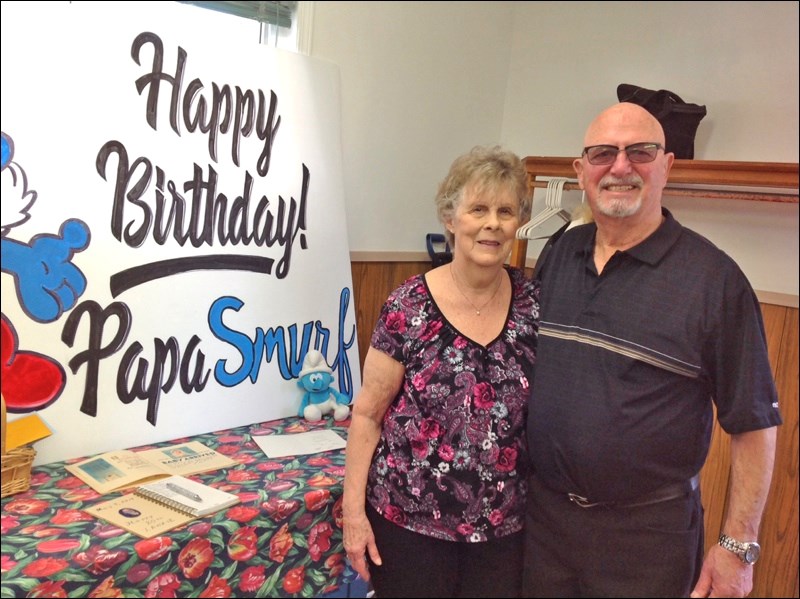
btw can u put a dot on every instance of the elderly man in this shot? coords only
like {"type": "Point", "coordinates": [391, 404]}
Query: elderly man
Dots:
{"type": "Point", "coordinates": [644, 324]}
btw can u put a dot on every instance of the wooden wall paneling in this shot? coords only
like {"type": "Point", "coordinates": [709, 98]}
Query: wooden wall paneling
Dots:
{"type": "Point", "coordinates": [776, 575]}
{"type": "Point", "coordinates": [715, 475]}
{"type": "Point", "coordinates": [714, 480]}
{"type": "Point", "coordinates": [372, 283]}
{"type": "Point", "coordinates": [774, 327]}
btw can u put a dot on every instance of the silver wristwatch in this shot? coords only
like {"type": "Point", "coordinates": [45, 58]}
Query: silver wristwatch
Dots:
{"type": "Point", "coordinates": [747, 552]}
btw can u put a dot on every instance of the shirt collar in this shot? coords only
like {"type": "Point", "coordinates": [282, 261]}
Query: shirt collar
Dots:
{"type": "Point", "coordinates": [652, 249]}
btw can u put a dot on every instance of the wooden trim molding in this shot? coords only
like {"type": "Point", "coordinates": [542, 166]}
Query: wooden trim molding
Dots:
{"type": "Point", "coordinates": [369, 256]}
{"type": "Point", "coordinates": [699, 172]}
{"type": "Point", "coordinates": [778, 299]}
{"type": "Point", "coordinates": [718, 178]}
{"type": "Point", "coordinates": [709, 178]}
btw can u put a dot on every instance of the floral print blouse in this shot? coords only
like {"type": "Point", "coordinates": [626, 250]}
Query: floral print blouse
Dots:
{"type": "Point", "coordinates": [451, 462]}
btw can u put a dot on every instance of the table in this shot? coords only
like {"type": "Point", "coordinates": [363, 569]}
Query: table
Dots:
{"type": "Point", "coordinates": [283, 540]}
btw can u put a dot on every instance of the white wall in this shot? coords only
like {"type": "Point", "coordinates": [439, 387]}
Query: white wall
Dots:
{"type": "Point", "coordinates": [421, 83]}
{"type": "Point", "coordinates": [424, 81]}
{"type": "Point", "coordinates": [740, 59]}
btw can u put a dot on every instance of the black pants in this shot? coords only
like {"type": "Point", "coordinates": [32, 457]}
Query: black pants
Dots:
{"type": "Point", "coordinates": [415, 565]}
{"type": "Point", "coordinates": [649, 551]}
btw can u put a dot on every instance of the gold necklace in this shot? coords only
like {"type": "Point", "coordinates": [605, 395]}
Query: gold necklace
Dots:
{"type": "Point", "coordinates": [461, 291]}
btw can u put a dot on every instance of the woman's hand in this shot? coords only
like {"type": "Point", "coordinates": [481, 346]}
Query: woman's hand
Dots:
{"type": "Point", "coordinates": [358, 539]}
{"type": "Point", "coordinates": [380, 383]}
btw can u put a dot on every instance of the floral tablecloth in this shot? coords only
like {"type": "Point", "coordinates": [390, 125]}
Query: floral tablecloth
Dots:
{"type": "Point", "coordinates": [283, 540]}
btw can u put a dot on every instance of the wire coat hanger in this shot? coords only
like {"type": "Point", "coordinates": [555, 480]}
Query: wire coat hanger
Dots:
{"type": "Point", "coordinates": [552, 203]}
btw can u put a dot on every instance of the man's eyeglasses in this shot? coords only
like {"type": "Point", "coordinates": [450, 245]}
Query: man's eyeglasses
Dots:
{"type": "Point", "coordinates": [637, 153]}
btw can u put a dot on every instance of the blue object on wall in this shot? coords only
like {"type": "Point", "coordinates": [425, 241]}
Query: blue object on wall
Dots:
{"type": "Point", "coordinates": [438, 257]}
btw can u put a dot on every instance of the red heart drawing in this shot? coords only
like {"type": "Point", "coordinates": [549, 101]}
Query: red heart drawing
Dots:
{"type": "Point", "coordinates": [30, 381]}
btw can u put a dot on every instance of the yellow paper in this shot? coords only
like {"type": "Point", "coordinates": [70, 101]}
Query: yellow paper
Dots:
{"type": "Point", "coordinates": [25, 430]}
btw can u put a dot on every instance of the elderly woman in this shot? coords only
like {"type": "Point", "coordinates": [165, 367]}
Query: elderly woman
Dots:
{"type": "Point", "coordinates": [434, 491]}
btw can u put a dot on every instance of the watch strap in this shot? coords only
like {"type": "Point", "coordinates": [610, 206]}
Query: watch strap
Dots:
{"type": "Point", "coordinates": [740, 549]}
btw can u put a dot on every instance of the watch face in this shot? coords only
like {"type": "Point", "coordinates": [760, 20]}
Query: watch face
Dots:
{"type": "Point", "coordinates": [751, 553]}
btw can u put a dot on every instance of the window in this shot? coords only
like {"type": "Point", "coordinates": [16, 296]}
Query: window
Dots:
{"type": "Point", "coordinates": [280, 23]}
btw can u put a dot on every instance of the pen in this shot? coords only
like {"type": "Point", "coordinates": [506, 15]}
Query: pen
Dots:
{"type": "Point", "coordinates": [181, 491]}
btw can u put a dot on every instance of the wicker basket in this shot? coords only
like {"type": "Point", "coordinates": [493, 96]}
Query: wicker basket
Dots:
{"type": "Point", "coordinates": [16, 465]}
{"type": "Point", "coordinates": [17, 470]}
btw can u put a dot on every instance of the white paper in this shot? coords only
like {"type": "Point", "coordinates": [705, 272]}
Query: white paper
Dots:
{"type": "Point", "coordinates": [279, 446]}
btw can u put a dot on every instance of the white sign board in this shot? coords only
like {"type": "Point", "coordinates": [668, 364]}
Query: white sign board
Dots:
{"type": "Point", "coordinates": [173, 234]}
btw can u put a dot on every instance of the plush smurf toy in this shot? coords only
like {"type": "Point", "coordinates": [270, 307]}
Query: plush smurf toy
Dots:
{"type": "Point", "coordinates": [319, 397]}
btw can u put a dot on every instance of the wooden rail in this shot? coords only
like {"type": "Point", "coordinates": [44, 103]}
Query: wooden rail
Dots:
{"type": "Point", "coordinates": [717, 179]}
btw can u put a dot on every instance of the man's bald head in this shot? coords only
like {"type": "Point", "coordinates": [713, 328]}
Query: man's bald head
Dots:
{"type": "Point", "coordinates": [629, 120]}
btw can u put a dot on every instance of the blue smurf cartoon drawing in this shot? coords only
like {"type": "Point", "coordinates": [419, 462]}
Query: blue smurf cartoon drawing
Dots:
{"type": "Point", "coordinates": [47, 284]}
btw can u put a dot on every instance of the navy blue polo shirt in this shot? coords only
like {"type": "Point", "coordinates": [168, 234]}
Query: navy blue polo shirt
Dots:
{"type": "Point", "coordinates": [629, 362]}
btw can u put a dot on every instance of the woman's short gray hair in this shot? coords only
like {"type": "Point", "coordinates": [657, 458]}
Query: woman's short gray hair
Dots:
{"type": "Point", "coordinates": [485, 168]}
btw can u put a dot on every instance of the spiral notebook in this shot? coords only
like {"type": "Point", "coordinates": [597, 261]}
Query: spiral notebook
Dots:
{"type": "Point", "coordinates": [187, 495]}
{"type": "Point", "coordinates": [160, 506]}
